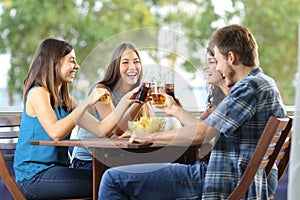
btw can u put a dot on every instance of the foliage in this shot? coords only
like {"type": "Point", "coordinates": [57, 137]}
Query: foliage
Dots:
{"type": "Point", "coordinates": [24, 24]}
{"type": "Point", "coordinates": [87, 23]}
{"type": "Point", "coordinates": [274, 24]}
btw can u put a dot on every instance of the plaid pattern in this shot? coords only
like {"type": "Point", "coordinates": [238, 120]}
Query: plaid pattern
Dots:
{"type": "Point", "coordinates": [241, 118]}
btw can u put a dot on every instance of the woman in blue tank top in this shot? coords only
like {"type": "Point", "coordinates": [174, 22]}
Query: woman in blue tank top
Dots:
{"type": "Point", "coordinates": [50, 113]}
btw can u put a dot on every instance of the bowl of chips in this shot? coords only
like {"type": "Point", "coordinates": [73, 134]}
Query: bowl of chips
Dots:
{"type": "Point", "coordinates": [147, 124]}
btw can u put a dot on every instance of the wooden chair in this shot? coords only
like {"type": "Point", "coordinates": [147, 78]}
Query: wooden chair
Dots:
{"type": "Point", "coordinates": [270, 148]}
{"type": "Point", "coordinates": [283, 153]}
{"type": "Point", "coordinates": [282, 150]}
{"type": "Point", "coordinates": [9, 132]}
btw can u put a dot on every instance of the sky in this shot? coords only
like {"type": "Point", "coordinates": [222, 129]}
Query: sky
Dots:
{"type": "Point", "coordinates": [222, 5]}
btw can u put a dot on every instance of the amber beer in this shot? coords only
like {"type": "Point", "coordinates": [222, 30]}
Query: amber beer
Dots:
{"type": "Point", "coordinates": [158, 99]}
{"type": "Point", "coordinates": [143, 93]}
{"type": "Point", "coordinates": [104, 99]}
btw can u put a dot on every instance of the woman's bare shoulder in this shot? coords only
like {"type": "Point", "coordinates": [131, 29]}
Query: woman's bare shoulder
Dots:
{"type": "Point", "coordinates": [38, 92]}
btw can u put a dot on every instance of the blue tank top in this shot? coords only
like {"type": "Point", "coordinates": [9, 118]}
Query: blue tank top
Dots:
{"type": "Point", "coordinates": [32, 159]}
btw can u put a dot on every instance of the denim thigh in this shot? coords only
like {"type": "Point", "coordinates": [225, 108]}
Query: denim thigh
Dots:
{"type": "Point", "coordinates": [82, 164]}
{"type": "Point", "coordinates": [153, 181]}
{"type": "Point", "coordinates": [58, 183]}
{"type": "Point", "coordinates": [272, 182]}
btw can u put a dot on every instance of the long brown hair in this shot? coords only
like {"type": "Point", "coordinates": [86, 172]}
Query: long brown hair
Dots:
{"type": "Point", "coordinates": [112, 74]}
{"type": "Point", "coordinates": [44, 71]}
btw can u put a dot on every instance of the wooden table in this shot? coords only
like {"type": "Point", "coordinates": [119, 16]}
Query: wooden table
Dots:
{"type": "Point", "coordinates": [116, 152]}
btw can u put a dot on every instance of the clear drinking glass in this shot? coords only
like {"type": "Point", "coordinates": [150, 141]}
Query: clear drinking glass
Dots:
{"type": "Point", "coordinates": [144, 88]}
{"type": "Point", "coordinates": [169, 83]}
{"type": "Point", "coordinates": [157, 86]}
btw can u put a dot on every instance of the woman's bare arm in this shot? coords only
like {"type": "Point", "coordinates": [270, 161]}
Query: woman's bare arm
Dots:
{"type": "Point", "coordinates": [38, 105]}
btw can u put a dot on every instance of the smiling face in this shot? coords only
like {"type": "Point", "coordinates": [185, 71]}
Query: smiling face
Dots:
{"type": "Point", "coordinates": [130, 67]}
{"type": "Point", "coordinates": [68, 67]}
{"type": "Point", "coordinates": [212, 76]}
{"type": "Point", "coordinates": [225, 68]}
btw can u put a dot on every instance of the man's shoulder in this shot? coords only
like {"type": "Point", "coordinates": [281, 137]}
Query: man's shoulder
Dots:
{"type": "Point", "coordinates": [257, 75]}
{"type": "Point", "coordinates": [257, 80]}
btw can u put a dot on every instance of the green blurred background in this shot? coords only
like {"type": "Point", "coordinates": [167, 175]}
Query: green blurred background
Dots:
{"type": "Point", "coordinates": [87, 23]}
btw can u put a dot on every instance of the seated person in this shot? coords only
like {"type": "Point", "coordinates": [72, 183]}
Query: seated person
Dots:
{"type": "Point", "coordinates": [51, 113]}
{"type": "Point", "coordinates": [236, 124]}
{"type": "Point", "coordinates": [123, 73]}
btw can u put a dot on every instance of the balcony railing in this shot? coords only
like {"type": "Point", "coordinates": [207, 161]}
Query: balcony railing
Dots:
{"type": "Point", "coordinates": [17, 110]}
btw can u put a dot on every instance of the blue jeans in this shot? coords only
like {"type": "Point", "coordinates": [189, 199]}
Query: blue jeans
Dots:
{"type": "Point", "coordinates": [272, 182]}
{"type": "Point", "coordinates": [82, 164]}
{"type": "Point", "coordinates": [158, 181]}
{"type": "Point", "coordinates": [58, 183]}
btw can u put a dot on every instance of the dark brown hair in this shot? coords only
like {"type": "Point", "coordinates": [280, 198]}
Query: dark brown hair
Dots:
{"type": "Point", "coordinates": [238, 39]}
{"type": "Point", "coordinates": [44, 71]}
{"type": "Point", "coordinates": [112, 74]}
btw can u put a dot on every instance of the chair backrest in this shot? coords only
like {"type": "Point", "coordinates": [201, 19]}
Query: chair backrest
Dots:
{"type": "Point", "coordinates": [267, 151]}
{"type": "Point", "coordinates": [281, 155]}
{"type": "Point", "coordinates": [9, 132]}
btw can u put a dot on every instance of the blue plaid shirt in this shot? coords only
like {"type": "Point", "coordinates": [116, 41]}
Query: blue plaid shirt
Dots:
{"type": "Point", "coordinates": [241, 118]}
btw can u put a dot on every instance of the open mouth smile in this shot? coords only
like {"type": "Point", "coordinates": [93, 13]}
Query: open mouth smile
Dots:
{"type": "Point", "coordinates": [131, 74]}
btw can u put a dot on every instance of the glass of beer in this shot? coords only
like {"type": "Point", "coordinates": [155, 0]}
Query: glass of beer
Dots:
{"type": "Point", "coordinates": [143, 93]}
{"type": "Point", "coordinates": [157, 86]}
{"type": "Point", "coordinates": [169, 83]}
{"type": "Point", "coordinates": [105, 99]}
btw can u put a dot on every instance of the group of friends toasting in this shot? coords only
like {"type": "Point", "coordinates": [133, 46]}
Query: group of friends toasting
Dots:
{"type": "Point", "coordinates": [241, 98]}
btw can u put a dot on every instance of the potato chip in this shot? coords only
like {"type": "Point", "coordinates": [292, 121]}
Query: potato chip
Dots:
{"type": "Point", "coordinates": [147, 124]}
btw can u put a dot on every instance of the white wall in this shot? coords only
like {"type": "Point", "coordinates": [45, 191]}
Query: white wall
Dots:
{"type": "Point", "coordinates": [294, 168]}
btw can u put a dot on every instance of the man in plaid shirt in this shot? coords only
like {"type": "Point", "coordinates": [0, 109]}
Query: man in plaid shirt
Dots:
{"type": "Point", "coordinates": [236, 124]}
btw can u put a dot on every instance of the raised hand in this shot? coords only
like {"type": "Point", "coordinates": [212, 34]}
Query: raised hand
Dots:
{"type": "Point", "coordinates": [129, 95]}
{"type": "Point", "coordinates": [170, 106]}
{"type": "Point", "coordinates": [96, 95]}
